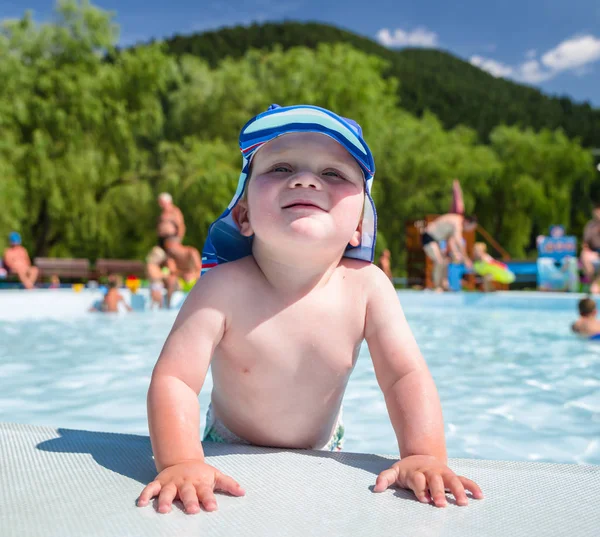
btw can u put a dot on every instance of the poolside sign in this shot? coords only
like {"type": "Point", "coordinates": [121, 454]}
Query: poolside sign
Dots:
{"type": "Point", "coordinates": [557, 261]}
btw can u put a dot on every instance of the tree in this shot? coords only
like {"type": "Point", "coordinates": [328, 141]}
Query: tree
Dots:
{"type": "Point", "coordinates": [78, 127]}
{"type": "Point", "coordinates": [534, 186]}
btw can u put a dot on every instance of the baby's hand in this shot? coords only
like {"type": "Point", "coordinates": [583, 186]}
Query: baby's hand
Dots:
{"type": "Point", "coordinates": [428, 478]}
{"type": "Point", "coordinates": [193, 482]}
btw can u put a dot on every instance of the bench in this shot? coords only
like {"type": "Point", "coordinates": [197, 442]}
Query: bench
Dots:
{"type": "Point", "coordinates": [63, 267]}
{"type": "Point", "coordinates": [126, 267]}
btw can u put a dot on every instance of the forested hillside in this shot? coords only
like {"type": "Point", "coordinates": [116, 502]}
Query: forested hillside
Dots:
{"type": "Point", "coordinates": [454, 90]}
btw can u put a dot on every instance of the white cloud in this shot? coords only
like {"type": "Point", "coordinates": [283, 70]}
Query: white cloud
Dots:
{"type": "Point", "coordinates": [570, 55]}
{"type": "Point", "coordinates": [493, 67]}
{"type": "Point", "coordinates": [573, 53]}
{"type": "Point", "coordinates": [419, 37]}
{"type": "Point", "coordinates": [531, 71]}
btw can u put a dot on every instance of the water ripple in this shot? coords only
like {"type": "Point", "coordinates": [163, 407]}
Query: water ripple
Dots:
{"type": "Point", "coordinates": [514, 385]}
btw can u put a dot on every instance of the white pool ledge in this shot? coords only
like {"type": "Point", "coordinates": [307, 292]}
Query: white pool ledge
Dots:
{"type": "Point", "coordinates": [19, 305]}
{"type": "Point", "coordinates": [67, 483]}
{"type": "Point", "coordinates": [60, 304]}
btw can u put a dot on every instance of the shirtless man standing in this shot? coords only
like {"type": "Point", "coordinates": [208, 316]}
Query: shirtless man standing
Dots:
{"type": "Point", "coordinates": [17, 261]}
{"type": "Point", "coordinates": [448, 227]}
{"type": "Point", "coordinates": [171, 225]}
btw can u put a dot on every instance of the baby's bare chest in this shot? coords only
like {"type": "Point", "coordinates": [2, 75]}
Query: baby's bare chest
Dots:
{"type": "Point", "coordinates": [315, 332]}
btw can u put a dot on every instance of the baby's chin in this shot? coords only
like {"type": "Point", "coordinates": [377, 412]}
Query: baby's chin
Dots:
{"type": "Point", "coordinates": [305, 234]}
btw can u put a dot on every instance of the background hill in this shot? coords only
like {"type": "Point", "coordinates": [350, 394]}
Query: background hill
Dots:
{"type": "Point", "coordinates": [456, 91]}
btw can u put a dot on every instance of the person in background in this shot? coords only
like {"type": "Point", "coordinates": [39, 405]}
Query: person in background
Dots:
{"type": "Point", "coordinates": [590, 250]}
{"type": "Point", "coordinates": [385, 263]}
{"type": "Point", "coordinates": [54, 282]}
{"type": "Point", "coordinates": [171, 226]}
{"type": "Point", "coordinates": [17, 261]}
{"type": "Point", "coordinates": [588, 323]}
{"type": "Point", "coordinates": [185, 266]}
{"type": "Point", "coordinates": [448, 227]}
{"type": "Point", "coordinates": [112, 298]}
{"type": "Point", "coordinates": [480, 253]}
{"type": "Point", "coordinates": [158, 272]}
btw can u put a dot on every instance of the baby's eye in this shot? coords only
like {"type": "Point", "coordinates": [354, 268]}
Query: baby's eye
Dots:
{"type": "Point", "coordinates": [333, 173]}
{"type": "Point", "coordinates": [282, 169]}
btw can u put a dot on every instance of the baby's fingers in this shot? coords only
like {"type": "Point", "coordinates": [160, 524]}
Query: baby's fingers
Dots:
{"type": "Point", "coordinates": [224, 483]}
{"type": "Point", "coordinates": [151, 490]}
{"type": "Point", "coordinates": [454, 484]}
{"type": "Point", "coordinates": [166, 497]}
{"type": "Point", "coordinates": [187, 494]}
{"type": "Point", "coordinates": [385, 479]}
{"type": "Point", "coordinates": [206, 497]}
{"type": "Point", "coordinates": [436, 489]}
{"type": "Point", "coordinates": [472, 487]}
{"type": "Point", "coordinates": [418, 484]}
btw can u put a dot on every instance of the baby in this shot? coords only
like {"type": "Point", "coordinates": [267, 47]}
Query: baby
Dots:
{"type": "Point", "coordinates": [281, 318]}
{"type": "Point", "coordinates": [588, 323]}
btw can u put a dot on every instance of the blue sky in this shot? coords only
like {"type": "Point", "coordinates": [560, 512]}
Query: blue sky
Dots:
{"type": "Point", "coordinates": [551, 44]}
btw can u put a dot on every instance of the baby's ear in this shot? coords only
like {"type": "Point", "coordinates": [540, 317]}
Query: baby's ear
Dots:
{"type": "Point", "coordinates": [241, 217]}
{"type": "Point", "coordinates": [356, 236]}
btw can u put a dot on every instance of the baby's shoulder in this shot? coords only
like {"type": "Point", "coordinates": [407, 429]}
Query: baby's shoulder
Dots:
{"type": "Point", "coordinates": [232, 274]}
{"type": "Point", "coordinates": [364, 276]}
{"type": "Point", "coordinates": [221, 286]}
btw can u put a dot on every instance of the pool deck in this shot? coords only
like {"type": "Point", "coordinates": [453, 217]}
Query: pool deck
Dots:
{"type": "Point", "coordinates": [63, 483]}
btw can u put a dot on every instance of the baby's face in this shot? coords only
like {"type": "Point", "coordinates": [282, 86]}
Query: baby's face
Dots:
{"type": "Point", "coordinates": [305, 187]}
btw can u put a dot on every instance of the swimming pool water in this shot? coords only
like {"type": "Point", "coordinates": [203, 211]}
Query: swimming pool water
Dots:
{"type": "Point", "coordinates": [515, 384]}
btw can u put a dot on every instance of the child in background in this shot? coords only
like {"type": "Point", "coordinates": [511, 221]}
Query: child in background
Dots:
{"type": "Point", "coordinates": [157, 271]}
{"type": "Point", "coordinates": [480, 254]}
{"type": "Point", "coordinates": [281, 318]}
{"type": "Point", "coordinates": [112, 298]}
{"type": "Point", "coordinates": [588, 323]}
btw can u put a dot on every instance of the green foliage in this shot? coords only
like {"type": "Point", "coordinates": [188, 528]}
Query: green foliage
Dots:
{"type": "Point", "coordinates": [434, 80]}
{"type": "Point", "coordinates": [91, 135]}
{"type": "Point", "coordinates": [534, 187]}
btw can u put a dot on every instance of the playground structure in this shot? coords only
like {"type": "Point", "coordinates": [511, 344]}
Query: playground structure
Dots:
{"type": "Point", "coordinates": [419, 267]}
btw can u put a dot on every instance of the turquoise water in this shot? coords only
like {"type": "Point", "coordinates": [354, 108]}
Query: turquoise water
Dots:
{"type": "Point", "coordinates": [514, 383]}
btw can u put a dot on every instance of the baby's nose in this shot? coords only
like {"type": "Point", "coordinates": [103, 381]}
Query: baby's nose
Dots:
{"type": "Point", "coordinates": [305, 180]}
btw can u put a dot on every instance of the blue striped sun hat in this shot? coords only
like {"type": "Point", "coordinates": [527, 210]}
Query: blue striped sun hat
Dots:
{"type": "Point", "coordinates": [225, 242]}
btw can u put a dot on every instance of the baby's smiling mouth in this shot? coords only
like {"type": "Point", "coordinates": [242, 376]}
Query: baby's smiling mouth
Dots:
{"type": "Point", "coordinates": [302, 204]}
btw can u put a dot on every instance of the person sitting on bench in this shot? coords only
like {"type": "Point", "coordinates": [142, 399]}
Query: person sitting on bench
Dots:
{"type": "Point", "coordinates": [17, 262]}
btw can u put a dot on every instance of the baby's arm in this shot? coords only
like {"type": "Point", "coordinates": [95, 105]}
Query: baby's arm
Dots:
{"type": "Point", "coordinates": [412, 401]}
{"type": "Point", "coordinates": [173, 408]}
